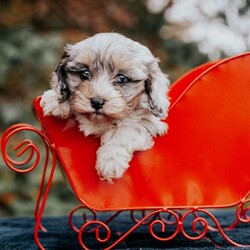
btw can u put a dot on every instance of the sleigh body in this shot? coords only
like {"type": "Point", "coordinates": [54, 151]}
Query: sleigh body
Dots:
{"type": "Point", "coordinates": [202, 163]}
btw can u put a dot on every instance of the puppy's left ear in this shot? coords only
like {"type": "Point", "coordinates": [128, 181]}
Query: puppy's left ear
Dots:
{"type": "Point", "coordinates": [59, 80]}
{"type": "Point", "coordinates": [156, 89]}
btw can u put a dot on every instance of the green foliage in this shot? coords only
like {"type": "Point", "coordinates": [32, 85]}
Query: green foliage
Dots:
{"type": "Point", "coordinates": [28, 51]}
{"type": "Point", "coordinates": [27, 59]}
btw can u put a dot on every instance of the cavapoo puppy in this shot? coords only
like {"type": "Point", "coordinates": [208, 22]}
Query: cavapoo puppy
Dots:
{"type": "Point", "coordinates": [115, 89]}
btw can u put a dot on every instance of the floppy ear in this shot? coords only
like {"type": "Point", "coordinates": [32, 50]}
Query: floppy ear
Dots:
{"type": "Point", "coordinates": [156, 88]}
{"type": "Point", "coordinates": [59, 80]}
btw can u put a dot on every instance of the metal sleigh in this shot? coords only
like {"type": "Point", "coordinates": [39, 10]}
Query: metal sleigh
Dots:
{"type": "Point", "coordinates": [202, 165]}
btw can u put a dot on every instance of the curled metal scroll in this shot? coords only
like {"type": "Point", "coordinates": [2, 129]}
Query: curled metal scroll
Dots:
{"type": "Point", "coordinates": [201, 223]}
{"type": "Point", "coordinates": [243, 211]}
{"type": "Point", "coordinates": [204, 218]}
{"type": "Point", "coordinates": [86, 214]}
{"type": "Point", "coordinates": [27, 148]}
{"type": "Point", "coordinates": [147, 219]}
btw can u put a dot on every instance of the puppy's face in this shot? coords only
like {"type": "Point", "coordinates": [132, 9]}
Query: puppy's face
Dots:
{"type": "Point", "coordinates": [108, 76]}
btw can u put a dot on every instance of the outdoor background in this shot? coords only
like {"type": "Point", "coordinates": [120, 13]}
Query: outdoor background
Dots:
{"type": "Point", "coordinates": [183, 34]}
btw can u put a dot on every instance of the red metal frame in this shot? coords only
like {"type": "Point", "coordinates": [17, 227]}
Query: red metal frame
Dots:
{"type": "Point", "coordinates": [174, 217]}
{"type": "Point", "coordinates": [203, 219]}
{"type": "Point", "coordinates": [14, 165]}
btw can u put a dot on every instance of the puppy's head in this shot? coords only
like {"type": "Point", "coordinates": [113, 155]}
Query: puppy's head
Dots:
{"type": "Point", "coordinates": [108, 76]}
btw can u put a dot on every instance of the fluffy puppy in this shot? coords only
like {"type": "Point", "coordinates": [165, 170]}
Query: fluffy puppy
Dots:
{"type": "Point", "coordinates": [116, 91]}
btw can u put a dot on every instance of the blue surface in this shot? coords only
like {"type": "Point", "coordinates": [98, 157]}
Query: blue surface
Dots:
{"type": "Point", "coordinates": [17, 233]}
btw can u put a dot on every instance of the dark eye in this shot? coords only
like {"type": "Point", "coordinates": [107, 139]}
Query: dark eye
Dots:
{"type": "Point", "coordinates": [85, 74]}
{"type": "Point", "coordinates": [121, 79]}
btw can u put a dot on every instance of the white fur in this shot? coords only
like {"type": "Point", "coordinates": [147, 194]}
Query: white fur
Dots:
{"type": "Point", "coordinates": [51, 106]}
{"type": "Point", "coordinates": [130, 117]}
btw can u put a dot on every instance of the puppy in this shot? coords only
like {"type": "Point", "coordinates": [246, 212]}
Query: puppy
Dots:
{"type": "Point", "coordinates": [116, 91]}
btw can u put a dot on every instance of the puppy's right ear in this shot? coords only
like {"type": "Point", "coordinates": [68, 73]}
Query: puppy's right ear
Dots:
{"type": "Point", "coordinates": [60, 80]}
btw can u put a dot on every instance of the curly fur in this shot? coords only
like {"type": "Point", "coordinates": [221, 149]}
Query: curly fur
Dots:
{"type": "Point", "coordinates": [116, 91]}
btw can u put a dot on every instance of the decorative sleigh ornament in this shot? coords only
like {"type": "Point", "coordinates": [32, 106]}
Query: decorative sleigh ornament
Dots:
{"type": "Point", "coordinates": [202, 163]}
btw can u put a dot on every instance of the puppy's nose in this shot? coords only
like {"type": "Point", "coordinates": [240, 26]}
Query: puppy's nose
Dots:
{"type": "Point", "coordinates": [97, 103]}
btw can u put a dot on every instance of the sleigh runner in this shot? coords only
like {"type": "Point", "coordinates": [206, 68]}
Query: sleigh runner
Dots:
{"type": "Point", "coordinates": [201, 163]}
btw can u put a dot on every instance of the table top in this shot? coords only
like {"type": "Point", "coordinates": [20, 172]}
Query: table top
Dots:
{"type": "Point", "coordinates": [17, 233]}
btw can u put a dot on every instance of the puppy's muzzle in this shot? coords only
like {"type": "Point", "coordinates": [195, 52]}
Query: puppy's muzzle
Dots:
{"type": "Point", "coordinates": [97, 103]}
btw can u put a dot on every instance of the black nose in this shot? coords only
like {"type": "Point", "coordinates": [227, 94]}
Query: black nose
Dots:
{"type": "Point", "coordinates": [97, 103]}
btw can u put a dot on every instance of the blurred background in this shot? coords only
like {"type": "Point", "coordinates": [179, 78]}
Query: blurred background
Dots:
{"type": "Point", "coordinates": [183, 34]}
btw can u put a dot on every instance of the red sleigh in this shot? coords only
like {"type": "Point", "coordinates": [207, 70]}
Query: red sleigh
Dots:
{"type": "Point", "coordinates": [203, 162]}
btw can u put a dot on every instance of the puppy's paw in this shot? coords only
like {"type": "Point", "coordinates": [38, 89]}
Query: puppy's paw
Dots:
{"type": "Point", "coordinates": [51, 105]}
{"type": "Point", "coordinates": [49, 102]}
{"type": "Point", "coordinates": [161, 128]}
{"type": "Point", "coordinates": [111, 163]}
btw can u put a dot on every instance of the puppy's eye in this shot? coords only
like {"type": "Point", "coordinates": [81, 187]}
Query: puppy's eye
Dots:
{"type": "Point", "coordinates": [121, 79]}
{"type": "Point", "coordinates": [85, 74]}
